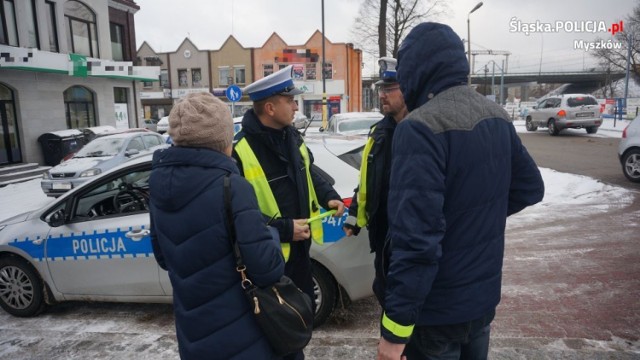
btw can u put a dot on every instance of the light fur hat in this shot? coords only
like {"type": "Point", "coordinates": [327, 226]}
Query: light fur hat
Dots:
{"type": "Point", "coordinates": [201, 120]}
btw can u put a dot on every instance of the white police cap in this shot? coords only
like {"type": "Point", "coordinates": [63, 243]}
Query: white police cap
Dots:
{"type": "Point", "coordinates": [278, 83]}
{"type": "Point", "coordinates": [387, 70]}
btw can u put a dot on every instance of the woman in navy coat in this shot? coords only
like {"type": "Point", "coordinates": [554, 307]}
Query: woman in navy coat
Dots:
{"type": "Point", "coordinates": [190, 238]}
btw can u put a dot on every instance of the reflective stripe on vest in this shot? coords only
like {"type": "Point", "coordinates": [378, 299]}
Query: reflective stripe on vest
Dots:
{"type": "Point", "coordinates": [363, 219]}
{"type": "Point", "coordinates": [255, 175]}
{"type": "Point", "coordinates": [401, 331]}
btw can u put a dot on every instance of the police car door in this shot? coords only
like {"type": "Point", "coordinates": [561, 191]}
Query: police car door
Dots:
{"type": "Point", "coordinates": [103, 248]}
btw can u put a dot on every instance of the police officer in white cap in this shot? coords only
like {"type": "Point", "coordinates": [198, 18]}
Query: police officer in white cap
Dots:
{"type": "Point", "coordinates": [273, 157]}
{"type": "Point", "coordinates": [369, 205]}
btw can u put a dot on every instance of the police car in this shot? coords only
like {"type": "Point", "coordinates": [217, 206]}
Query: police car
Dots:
{"type": "Point", "coordinates": [92, 243]}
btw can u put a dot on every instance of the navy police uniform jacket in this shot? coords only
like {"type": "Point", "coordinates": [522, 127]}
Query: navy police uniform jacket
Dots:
{"type": "Point", "coordinates": [279, 156]}
{"type": "Point", "coordinates": [458, 170]}
{"type": "Point", "coordinates": [190, 240]}
{"type": "Point", "coordinates": [378, 173]}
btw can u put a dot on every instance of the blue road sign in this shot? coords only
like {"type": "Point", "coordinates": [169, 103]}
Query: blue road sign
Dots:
{"type": "Point", "coordinates": [234, 93]}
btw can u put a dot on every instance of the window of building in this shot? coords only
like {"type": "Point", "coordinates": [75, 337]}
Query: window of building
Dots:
{"type": "Point", "coordinates": [182, 78]}
{"type": "Point", "coordinates": [117, 41]}
{"type": "Point", "coordinates": [224, 76]}
{"type": "Point", "coordinates": [82, 35]}
{"type": "Point", "coordinates": [328, 71]}
{"type": "Point", "coordinates": [164, 78]}
{"type": "Point", "coordinates": [8, 28]}
{"type": "Point", "coordinates": [267, 69]}
{"type": "Point", "coordinates": [9, 134]}
{"type": "Point", "coordinates": [120, 99]}
{"type": "Point", "coordinates": [52, 26]}
{"type": "Point", "coordinates": [33, 40]}
{"type": "Point", "coordinates": [239, 74]}
{"type": "Point", "coordinates": [282, 66]}
{"type": "Point", "coordinates": [310, 71]}
{"type": "Point", "coordinates": [196, 77]}
{"type": "Point", "coordinates": [80, 107]}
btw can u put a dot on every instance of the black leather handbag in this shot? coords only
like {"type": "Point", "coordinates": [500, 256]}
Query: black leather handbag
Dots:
{"type": "Point", "coordinates": [283, 312]}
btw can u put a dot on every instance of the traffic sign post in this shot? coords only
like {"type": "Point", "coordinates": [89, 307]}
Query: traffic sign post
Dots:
{"type": "Point", "coordinates": [234, 93]}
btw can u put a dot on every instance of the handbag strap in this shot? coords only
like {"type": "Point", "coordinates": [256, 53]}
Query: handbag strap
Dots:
{"type": "Point", "coordinates": [231, 229]}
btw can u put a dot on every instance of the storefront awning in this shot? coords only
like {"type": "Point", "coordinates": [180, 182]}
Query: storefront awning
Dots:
{"type": "Point", "coordinates": [73, 65]}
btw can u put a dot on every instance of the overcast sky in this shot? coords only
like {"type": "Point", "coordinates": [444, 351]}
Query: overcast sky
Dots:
{"type": "Point", "coordinates": [165, 23]}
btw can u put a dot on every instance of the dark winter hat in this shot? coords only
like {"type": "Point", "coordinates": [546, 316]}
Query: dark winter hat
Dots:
{"type": "Point", "coordinates": [201, 120]}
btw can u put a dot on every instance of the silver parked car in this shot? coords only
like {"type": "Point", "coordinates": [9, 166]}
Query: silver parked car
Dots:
{"type": "Point", "coordinates": [93, 244]}
{"type": "Point", "coordinates": [567, 111]}
{"type": "Point", "coordinates": [97, 156]}
{"type": "Point", "coordinates": [629, 151]}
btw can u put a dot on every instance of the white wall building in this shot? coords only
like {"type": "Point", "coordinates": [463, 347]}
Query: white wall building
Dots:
{"type": "Point", "coordinates": [65, 64]}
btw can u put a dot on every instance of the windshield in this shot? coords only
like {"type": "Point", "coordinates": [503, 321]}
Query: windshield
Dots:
{"type": "Point", "coordinates": [580, 101]}
{"type": "Point", "coordinates": [106, 146]}
{"type": "Point", "coordinates": [356, 125]}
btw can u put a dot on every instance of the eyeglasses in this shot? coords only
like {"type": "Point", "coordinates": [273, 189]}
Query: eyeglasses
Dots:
{"type": "Point", "coordinates": [387, 90]}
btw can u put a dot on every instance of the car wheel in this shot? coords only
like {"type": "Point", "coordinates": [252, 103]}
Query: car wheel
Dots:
{"type": "Point", "coordinates": [21, 289]}
{"type": "Point", "coordinates": [325, 292]}
{"type": "Point", "coordinates": [592, 129]}
{"type": "Point", "coordinates": [631, 165]}
{"type": "Point", "coordinates": [529, 124]}
{"type": "Point", "coordinates": [553, 130]}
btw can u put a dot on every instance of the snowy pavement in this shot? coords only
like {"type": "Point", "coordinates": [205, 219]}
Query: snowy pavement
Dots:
{"type": "Point", "coordinates": [570, 289]}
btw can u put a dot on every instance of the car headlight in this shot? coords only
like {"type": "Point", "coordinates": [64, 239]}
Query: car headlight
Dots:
{"type": "Point", "coordinates": [90, 172]}
{"type": "Point", "coordinates": [45, 175]}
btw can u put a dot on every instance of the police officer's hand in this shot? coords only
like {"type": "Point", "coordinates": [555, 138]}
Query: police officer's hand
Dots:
{"type": "Point", "coordinates": [338, 205]}
{"type": "Point", "coordinates": [347, 231]}
{"type": "Point", "coordinates": [301, 230]}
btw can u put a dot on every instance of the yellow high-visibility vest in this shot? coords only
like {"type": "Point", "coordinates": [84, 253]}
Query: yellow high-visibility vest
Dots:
{"type": "Point", "coordinates": [255, 175]}
{"type": "Point", "coordinates": [362, 219]}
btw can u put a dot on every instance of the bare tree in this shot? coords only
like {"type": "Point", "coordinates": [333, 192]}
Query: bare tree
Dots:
{"type": "Point", "coordinates": [616, 59]}
{"type": "Point", "coordinates": [381, 25]}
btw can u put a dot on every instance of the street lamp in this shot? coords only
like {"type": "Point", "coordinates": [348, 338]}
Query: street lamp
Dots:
{"type": "Point", "coordinates": [324, 82]}
{"type": "Point", "coordinates": [478, 5]}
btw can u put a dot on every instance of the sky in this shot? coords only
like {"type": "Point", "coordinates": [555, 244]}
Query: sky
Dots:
{"type": "Point", "coordinates": [18, 198]}
{"type": "Point", "coordinates": [164, 24]}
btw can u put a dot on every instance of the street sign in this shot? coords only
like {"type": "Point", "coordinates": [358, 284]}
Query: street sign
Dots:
{"type": "Point", "coordinates": [233, 93]}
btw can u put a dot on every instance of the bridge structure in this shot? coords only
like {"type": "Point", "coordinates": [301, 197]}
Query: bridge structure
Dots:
{"type": "Point", "coordinates": [578, 81]}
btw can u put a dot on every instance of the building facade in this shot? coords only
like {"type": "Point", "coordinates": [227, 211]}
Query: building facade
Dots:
{"type": "Point", "coordinates": [234, 64]}
{"type": "Point", "coordinates": [65, 64]}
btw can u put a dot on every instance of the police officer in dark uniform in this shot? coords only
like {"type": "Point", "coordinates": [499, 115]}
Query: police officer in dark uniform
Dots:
{"type": "Point", "coordinates": [272, 156]}
{"type": "Point", "coordinates": [369, 204]}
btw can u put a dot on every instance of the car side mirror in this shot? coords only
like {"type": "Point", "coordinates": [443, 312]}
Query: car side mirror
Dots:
{"type": "Point", "coordinates": [56, 218]}
{"type": "Point", "coordinates": [131, 152]}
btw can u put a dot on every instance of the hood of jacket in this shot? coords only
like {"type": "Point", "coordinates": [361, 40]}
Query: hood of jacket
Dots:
{"type": "Point", "coordinates": [183, 173]}
{"type": "Point", "coordinates": [431, 59]}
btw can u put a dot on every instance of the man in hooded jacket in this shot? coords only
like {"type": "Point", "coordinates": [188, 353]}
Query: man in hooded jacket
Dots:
{"type": "Point", "coordinates": [458, 170]}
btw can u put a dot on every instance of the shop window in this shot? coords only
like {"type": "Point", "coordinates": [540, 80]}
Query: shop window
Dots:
{"type": "Point", "coordinates": [328, 71]}
{"type": "Point", "coordinates": [164, 78]}
{"type": "Point", "coordinates": [224, 76]}
{"type": "Point", "coordinates": [79, 106]}
{"type": "Point", "coordinates": [310, 71]}
{"type": "Point", "coordinates": [50, 18]}
{"type": "Point", "coordinates": [267, 69]}
{"type": "Point", "coordinates": [117, 41]}
{"type": "Point", "coordinates": [196, 77]}
{"type": "Point", "coordinates": [239, 74]}
{"type": "Point", "coordinates": [8, 28]}
{"type": "Point", "coordinates": [82, 35]}
{"type": "Point", "coordinates": [183, 81]}
{"type": "Point", "coordinates": [33, 40]}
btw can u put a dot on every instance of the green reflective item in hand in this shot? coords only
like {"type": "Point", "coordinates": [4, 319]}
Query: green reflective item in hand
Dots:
{"type": "Point", "coordinates": [321, 216]}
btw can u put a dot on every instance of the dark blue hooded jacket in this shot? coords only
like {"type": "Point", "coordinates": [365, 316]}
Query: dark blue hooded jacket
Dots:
{"type": "Point", "coordinates": [190, 240]}
{"type": "Point", "coordinates": [458, 170]}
